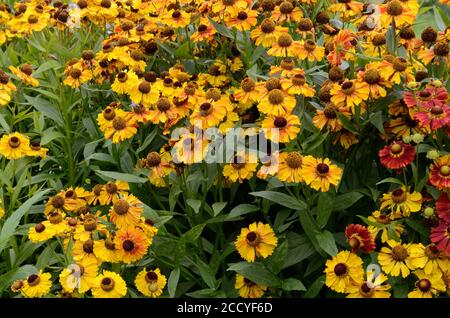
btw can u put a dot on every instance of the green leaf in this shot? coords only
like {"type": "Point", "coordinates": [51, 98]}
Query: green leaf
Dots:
{"type": "Point", "coordinates": [10, 225]}
{"type": "Point", "coordinates": [194, 233]}
{"type": "Point", "coordinates": [327, 243]}
{"type": "Point", "coordinates": [173, 282]}
{"type": "Point", "coordinates": [315, 287]}
{"type": "Point", "coordinates": [311, 230]}
{"type": "Point", "coordinates": [106, 175]}
{"type": "Point", "coordinates": [391, 40]}
{"type": "Point", "coordinates": [218, 207]}
{"type": "Point", "coordinates": [194, 204]}
{"type": "Point", "coordinates": [242, 209]}
{"type": "Point", "coordinates": [346, 200]}
{"type": "Point", "coordinates": [206, 273]}
{"type": "Point", "coordinates": [390, 180]}
{"type": "Point", "coordinates": [281, 199]}
{"type": "Point", "coordinates": [223, 30]}
{"type": "Point", "coordinates": [347, 123]}
{"type": "Point", "coordinates": [292, 284]}
{"type": "Point", "coordinates": [314, 141]}
{"type": "Point", "coordinates": [438, 18]}
{"type": "Point", "coordinates": [278, 258]}
{"type": "Point", "coordinates": [324, 208]}
{"type": "Point", "coordinates": [376, 119]}
{"type": "Point", "coordinates": [256, 272]}
{"type": "Point", "coordinates": [257, 53]}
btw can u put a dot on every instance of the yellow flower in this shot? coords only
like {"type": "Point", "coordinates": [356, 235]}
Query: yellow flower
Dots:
{"type": "Point", "coordinates": [57, 223]}
{"type": "Point", "coordinates": [120, 129]}
{"type": "Point", "coordinates": [269, 166]}
{"type": "Point", "coordinates": [258, 240]}
{"type": "Point", "coordinates": [242, 168]}
{"type": "Point", "coordinates": [109, 285]}
{"type": "Point", "coordinates": [144, 93]}
{"type": "Point", "coordinates": [241, 19]}
{"type": "Point", "coordinates": [14, 146]}
{"type": "Point", "coordinates": [83, 252]}
{"type": "Point", "coordinates": [401, 202]}
{"type": "Point", "coordinates": [148, 226]}
{"type": "Point", "coordinates": [276, 103]}
{"type": "Point", "coordinates": [267, 33]}
{"type": "Point", "coordinates": [428, 285]}
{"type": "Point", "coordinates": [124, 82]}
{"type": "Point", "coordinates": [208, 114]}
{"type": "Point", "coordinates": [247, 288]}
{"type": "Point", "coordinates": [40, 232]}
{"type": "Point", "coordinates": [428, 258]}
{"type": "Point", "coordinates": [343, 271]}
{"type": "Point", "coordinates": [309, 50]}
{"type": "Point", "coordinates": [290, 167]}
{"type": "Point", "coordinates": [76, 76]}
{"type": "Point", "coordinates": [78, 276]}
{"type": "Point", "coordinates": [281, 128]}
{"type": "Point", "coordinates": [396, 259]}
{"type": "Point", "coordinates": [319, 174]}
{"type": "Point", "coordinates": [383, 222]}
{"type": "Point", "coordinates": [297, 85]}
{"type": "Point", "coordinates": [126, 211]}
{"type": "Point", "coordinates": [112, 191]}
{"type": "Point", "coordinates": [132, 244]}
{"type": "Point", "coordinates": [150, 282]}
{"type": "Point", "coordinates": [350, 93]}
{"type": "Point", "coordinates": [37, 285]}
{"type": "Point", "coordinates": [373, 287]}
{"type": "Point", "coordinates": [24, 74]}
{"type": "Point", "coordinates": [159, 166]}
{"type": "Point", "coordinates": [2, 211]}
{"type": "Point", "coordinates": [106, 251]}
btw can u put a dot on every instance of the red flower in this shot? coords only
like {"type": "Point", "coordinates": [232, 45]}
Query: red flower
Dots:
{"type": "Point", "coordinates": [439, 175]}
{"type": "Point", "coordinates": [435, 115]}
{"type": "Point", "coordinates": [440, 236]}
{"type": "Point", "coordinates": [397, 155]}
{"type": "Point", "coordinates": [443, 207]}
{"type": "Point", "coordinates": [428, 97]}
{"type": "Point", "coordinates": [359, 238]}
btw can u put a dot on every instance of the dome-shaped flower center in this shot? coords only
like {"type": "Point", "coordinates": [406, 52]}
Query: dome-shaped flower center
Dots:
{"type": "Point", "coordinates": [340, 269]}
{"type": "Point", "coordinates": [379, 40]}
{"type": "Point", "coordinates": [27, 69]}
{"type": "Point", "coordinates": [109, 114]}
{"type": "Point", "coordinates": [444, 171]}
{"type": "Point", "coordinates": [144, 87]}
{"type": "Point", "coordinates": [202, 28]}
{"type": "Point", "coordinates": [399, 64]}
{"type": "Point", "coordinates": [119, 123]}
{"type": "Point", "coordinates": [366, 291]}
{"type": "Point", "coordinates": [286, 7]}
{"type": "Point", "coordinates": [432, 252]}
{"type": "Point", "coordinates": [287, 64]}
{"type": "Point", "coordinates": [424, 285]}
{"type": "Point", "coordinates": [354, 242]}
{"type": "Point", "coordinates": [252, 238]}
{"type": "Point", "coordinates": [285, 40]}
{"type": "Point", "coordinates": [396, 148]}
{"type": "Point", "coordinates": [248, 84]}
{"type": "Point", "coordinates": [75, 73]}
{"type": "Point", "coordinates": [90, 225]}
{"type": "Point", "coordinates": [111, 188]}
{"type": "Point", "coordinates": [437, 110]}
{"type": "Point", "coordinates": [122, 77]}
{"type": "Point", "coordinates": [128, 245]}
{"type": "Point", "coordinates": [151, 277]}
{"type": "Point", "coordinates": [88, 246]}
{"type": "Point", "coordinates": [107, 284]}
{"type": "Point", "coordinates": [294, 160]}
{"type": "Point", "coordinates": [238, 162]}
{"type": "Point", "coordinates": [55, 218]}
{"type": "Point", "coordinates": [176, 14]}
{"type": "Point", "coordinates": [33, 280]}
{"type": "Point", "coordinates": [399, 253]}
{"type": "Point", "coordinates": [276, 97]}
{"type": "Point", "coordinates": [272, 83]}
{"type": "Point", "coordinates": [206, 109]}
{"type": "Point", "coordinates": [58, 202]}
{"type": "Point", "coordinates": [32, 19]}
{"type": "Point", "coordinates": [280, 122]}
{"type": "Point", "coordinates": [267, 26]}
{"type": "Point", "coordinates": [398, 196]}
{"type": "Point", "coordinates": [72, 222]}
{"type": "Point", "coordinates": [121, 207]}
{"type": "Point", "coordinates": [348, 87]}
{"type": "Point", "coordinates": [322, 168]}
{"type": "Point", "coordinates": [153, 159]}
{"type": "Point", "coordinates": [372, 76]}
{"type": "Point", "coordinates": [39, 228]}
{"type": "Point", "coordinates": [298, 79]}
{"type": "Point", "coordinates": [330, 113]}
{"type": "Point", "coordinates": [305, 24]}
{"type": "Point", "coordinates": [394, 8]}
{"type": "Point", "coordinates": [163, 104]}
{"type": "Point", "coordinates": [242, 15]}
{"type": "Point", "coordinates": [14, 142]}
{"type": "Point", "coordinates": [310, 45]}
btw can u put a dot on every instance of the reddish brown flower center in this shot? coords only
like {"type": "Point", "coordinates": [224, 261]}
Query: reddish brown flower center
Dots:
{"type": "Point", "coordinates": [286, 7]}
{"type": "Point", "coordinates": [88, 246]}
{"type": "Point", "coordinates": [128, 245]}
{"type": "Point", "coordinates": [322, 168]}
{"type": "Point", "coordinates": [348, 87]}
{"type": "Point", "coordinates": [33, 280]}
{"type": "Point", "coordinates": [252, 238]}
{"type": "Point", "coordinates": [437, 110]}
{"type": "Point", "coordinates": [121, 207]}
{"type": "Point", "coordinates": [14, 142]}
{"type": "Point", "coordinates": [276, 97]}
{"type": "Point", "coordinates": [107, 284]}
{"type": "Point", "coordinates": [340, 269]}
{"type": "Point", "coordinates": [294, 160]}
{"type": "Point", "coordinates": [399, 253]}
{"type": "Point", "coordinates": [280, 122]}
{"type": "Point", "coordinates": [151, 277]}
{"type": "Point", "coordinates": [39, 228]}
{"type": "Point", "coordinates": [285, 40]}
{"type": "Point", "coordinates": [58, 202]}
{"type": "Point", "coordinates": [119, 123]}
{"type": "Point", "coordinates": [144, 87]}
{"type": "Point", "coordinates": [394, 8]}
{"type": "Point", "coordinates": [109, 114]}
{"type": "Point", "coordinates": [242, 16]}
{"type": "Point", "coordinates": [398, 195]}
{"type": "Point", "coordinates": [424, 285]}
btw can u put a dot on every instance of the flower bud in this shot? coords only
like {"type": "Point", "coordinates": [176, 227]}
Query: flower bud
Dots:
{"type": "Point", "coordinates": [432, 154]}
